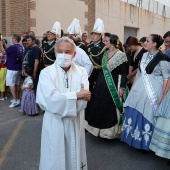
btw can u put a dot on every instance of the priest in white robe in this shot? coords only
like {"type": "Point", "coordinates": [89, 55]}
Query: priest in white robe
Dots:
{"type": "Point", "coordinates": [63, 94]}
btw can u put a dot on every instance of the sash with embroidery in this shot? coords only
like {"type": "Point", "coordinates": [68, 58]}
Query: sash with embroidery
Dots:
{"type": "Point", "coordinates": [112, 88]}
{"type": "Point", "coordinates": [147, 83]}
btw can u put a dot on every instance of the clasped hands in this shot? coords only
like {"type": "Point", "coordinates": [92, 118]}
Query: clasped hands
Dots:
{"type": "Point", "coordinates": [84, 94]}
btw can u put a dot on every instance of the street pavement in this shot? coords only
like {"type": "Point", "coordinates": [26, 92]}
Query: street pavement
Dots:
{"type": "Point", "coordinates": [20, 137]}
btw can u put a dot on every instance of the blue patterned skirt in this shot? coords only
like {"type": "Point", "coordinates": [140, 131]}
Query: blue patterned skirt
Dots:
{"type": "Point", "coordinates": [136, 129]}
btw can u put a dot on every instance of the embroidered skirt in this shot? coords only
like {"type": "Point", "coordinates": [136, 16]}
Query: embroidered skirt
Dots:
{"type": "Point", "coordinates": [136, 129]}
{"type": "Point", "coordinates": [101, 115]}
{"type": "Point", "coordinates": [28, 103]}
{"type": "Point", "coordinates": [160, 142]}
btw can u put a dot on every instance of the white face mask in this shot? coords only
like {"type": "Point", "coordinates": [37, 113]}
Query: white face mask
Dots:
{"type": "Point", "coordinates": [63, 60]}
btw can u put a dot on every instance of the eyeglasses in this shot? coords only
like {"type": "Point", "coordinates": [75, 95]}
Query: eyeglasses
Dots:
{"type": "Point", "coordinates": [66, 80]}
{"type": "Point", "coordinates": [166, 42]}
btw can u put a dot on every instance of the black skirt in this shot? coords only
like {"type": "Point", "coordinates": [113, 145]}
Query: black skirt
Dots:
{"type": "Point", "coordinates": [101, 110]}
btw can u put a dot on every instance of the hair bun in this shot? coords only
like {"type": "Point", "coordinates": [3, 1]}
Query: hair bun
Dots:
{"type": "Point", "coordinates": [158, 39]}
{"type": "Point", "coordinates": [113, 39]}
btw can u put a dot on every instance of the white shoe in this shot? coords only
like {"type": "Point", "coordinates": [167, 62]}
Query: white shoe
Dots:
{"type": "Point", "coordinates": [14, 100]}
{"type": "Point", "coordinates": [18, 101]}
{"type": "Point", "coordinates": [5, 98]}
{"type": "Point", "coordinates": [14, 104]}
{"type": "Point", "coordinates": [2, 99]}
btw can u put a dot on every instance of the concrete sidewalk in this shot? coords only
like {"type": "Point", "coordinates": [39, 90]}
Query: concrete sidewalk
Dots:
{"type": "Point", "coordinates": [20, 137]}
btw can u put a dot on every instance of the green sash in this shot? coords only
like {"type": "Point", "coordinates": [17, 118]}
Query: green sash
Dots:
{"type": "Point", "coordinates": [112, 87]}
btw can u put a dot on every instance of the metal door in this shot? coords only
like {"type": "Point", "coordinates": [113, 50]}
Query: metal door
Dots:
{"type": "Point", "coordinates": [129, 31]}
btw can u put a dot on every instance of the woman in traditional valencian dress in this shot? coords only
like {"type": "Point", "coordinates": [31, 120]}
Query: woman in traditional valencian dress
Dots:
{"type": "Point", "coordinates": [160, 142]}
{"type": "Point", "coordinates": [141, 103]}
{"type": "Point", "coordinates": [102, 112]}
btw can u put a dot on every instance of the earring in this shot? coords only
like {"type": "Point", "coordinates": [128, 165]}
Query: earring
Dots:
{"type": "Point", "coordinates": [117, 44]}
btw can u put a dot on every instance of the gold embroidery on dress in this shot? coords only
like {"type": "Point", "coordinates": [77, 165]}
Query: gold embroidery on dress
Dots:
{"type": "Point", "coordinates": [118, 59]}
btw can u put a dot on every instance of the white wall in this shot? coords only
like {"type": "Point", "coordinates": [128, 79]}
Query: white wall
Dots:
{"type": "Point", "coordinates": [117, 14]}
{"type": "Point", "coordinates": [64, 11]}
